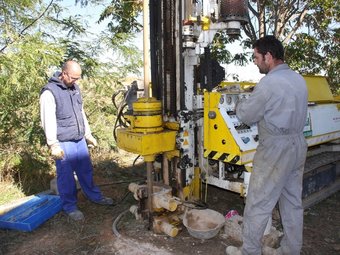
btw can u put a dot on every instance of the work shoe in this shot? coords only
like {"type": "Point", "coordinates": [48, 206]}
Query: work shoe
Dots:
{"type": "Point", "coordinates": [104, 201]}
{"type": "Point", "coordinates": [232, 250]}
{"type": "Point", "coordinates": [76, 215]}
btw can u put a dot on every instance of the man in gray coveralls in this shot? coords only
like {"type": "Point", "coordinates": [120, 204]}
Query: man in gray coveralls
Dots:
{"type": "Point", "coordinates": [278, 105]}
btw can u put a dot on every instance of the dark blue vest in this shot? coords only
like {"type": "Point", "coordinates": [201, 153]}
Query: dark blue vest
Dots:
{"type": "Point", "coordinates": [69, 103]}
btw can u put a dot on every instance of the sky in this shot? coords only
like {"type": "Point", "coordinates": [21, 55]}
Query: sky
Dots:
{"type": "Point", "coordinates": [250, 72]}
{"type": "Point", "coordinates": [245, 73]}
{"type": "Point", "coordinates": [91, 13]}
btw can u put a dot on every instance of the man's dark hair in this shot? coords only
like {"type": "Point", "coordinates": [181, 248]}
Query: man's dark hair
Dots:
{"type": "Point", "coordinates": [270, 44]}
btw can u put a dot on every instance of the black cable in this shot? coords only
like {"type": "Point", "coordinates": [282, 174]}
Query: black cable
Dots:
{"type": "Point", "coordinates": [134, 162]}
{"type": "Point", "coordinates": [200, 205]}
{"type": "Point", "coordinates": [119, 182]}
{"type": "Point", "coordinates": [123, 197]}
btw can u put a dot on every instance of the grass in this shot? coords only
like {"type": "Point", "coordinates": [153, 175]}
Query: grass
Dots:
{"type": "Point", "coordinates": [9, 192]}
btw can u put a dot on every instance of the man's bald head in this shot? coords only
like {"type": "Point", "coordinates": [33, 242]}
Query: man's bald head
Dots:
{"type": "Point", "coordinates": [71, 72]}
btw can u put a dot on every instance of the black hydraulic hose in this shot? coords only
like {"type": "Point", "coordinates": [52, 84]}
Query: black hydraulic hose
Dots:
{"type": "Point", "coordinates": [122, 121]}
{"type": "Point", "coordinates": [119, 120]}
{"type": "Point", "coordinates": [115, 223]}
{"type": "Point", "coordinates": [134, 162]}
{"type": "Point", "coordinates": [113, 98]}
{"type": "Point", "coordinates": [119, 182]}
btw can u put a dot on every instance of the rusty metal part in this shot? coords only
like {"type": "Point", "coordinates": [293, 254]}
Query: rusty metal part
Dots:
{"type": "Point", "coordinates": [234, 10]}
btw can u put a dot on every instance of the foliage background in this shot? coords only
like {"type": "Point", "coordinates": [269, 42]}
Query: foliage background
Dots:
{"type": "Point", "coordinates": [30, 53]}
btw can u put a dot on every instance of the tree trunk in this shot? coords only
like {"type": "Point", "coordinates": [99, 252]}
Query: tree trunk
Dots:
{"type": "Point", "coordinates": [262, 17]}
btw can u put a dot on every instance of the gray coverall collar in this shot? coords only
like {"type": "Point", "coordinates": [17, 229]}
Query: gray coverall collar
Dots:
{"type": "Point", "coordinates": [279, 67]}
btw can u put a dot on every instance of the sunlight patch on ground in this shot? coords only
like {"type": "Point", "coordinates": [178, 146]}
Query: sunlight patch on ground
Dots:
{"type": "Point", "coordinates": [128, 246]}
{"type": "Point", "coordinates": [9, 192]}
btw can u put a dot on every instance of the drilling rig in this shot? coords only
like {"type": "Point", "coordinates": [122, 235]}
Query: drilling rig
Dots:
{"type": "Point", "coordinates": [185, 126]}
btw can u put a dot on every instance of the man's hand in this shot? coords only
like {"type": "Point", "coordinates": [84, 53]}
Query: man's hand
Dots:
{"type": "Point", "coordinates": [57, 152]}
{"type": "Point", "coordinates": [91, 141]}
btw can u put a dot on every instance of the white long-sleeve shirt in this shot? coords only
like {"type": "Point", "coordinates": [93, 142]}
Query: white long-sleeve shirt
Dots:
{"type": "Point", "coordinates": [49, 120]}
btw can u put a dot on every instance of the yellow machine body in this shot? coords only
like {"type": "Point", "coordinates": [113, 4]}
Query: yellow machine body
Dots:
{"type": "Point", "coordinates": [146, 143]}
{"type": "Point", "coordinates": [222, 145]}
{"type": "Point", "coordinates": [147, 115]}
{"type": "Point", "coordinates": [146, 135]}
{"type": "Point", "coordinates": [216, 148]}
{"type": "Point", "coordinates": [317, 86]}
{"type": "Point", "coordinates": [228, 140]}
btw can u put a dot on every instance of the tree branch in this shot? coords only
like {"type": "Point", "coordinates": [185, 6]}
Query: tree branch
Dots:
{"type": "Point", "coordinates": [254, 12]}
{"type": "Point", "coordinates": [291, 10]}
{"type": "Point", "coordinates": [32, 23]}
{"type": "Point", "coordinates": [297, 25]}
{"type": "Point", "coordinates": [261, 5]}
{"type": "Point", "coordinates": [249, 27]}
{"type": "Point", "coordinates": [250, 31]}
{"type": "Point", "coordinates": [287, 13]}
{"type": "Point", "coordinates": [276, 16]}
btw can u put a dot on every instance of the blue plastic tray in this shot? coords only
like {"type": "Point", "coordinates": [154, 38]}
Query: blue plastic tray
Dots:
{"type": "Point", "coordinates": [32, 213]}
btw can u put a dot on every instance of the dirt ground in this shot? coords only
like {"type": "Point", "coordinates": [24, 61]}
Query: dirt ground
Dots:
{"type": "Point", "coordinates": [59, 235]}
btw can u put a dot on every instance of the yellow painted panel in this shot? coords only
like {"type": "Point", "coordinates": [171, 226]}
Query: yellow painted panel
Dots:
{"type": "Point", "coordinates": [217, 136]}
{"type": "Point", "coordinates": [318, 89]}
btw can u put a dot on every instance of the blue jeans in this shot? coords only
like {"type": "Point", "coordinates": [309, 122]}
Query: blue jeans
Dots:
{"type": "Point", "coordinates": [76, 159]}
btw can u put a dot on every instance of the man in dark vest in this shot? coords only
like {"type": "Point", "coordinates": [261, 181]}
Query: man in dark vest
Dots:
{"type": "Point", "coordinates": [68, 134]}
